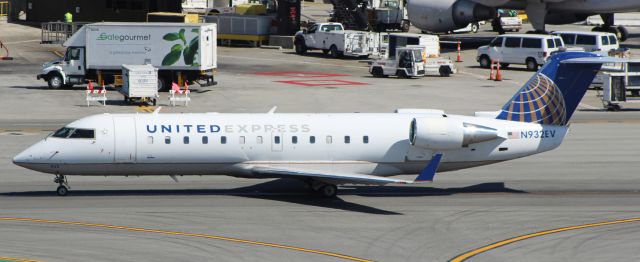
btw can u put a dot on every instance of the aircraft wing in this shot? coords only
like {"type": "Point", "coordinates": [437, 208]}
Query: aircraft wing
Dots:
{"type": "Point", "coordinates": [426, 175]}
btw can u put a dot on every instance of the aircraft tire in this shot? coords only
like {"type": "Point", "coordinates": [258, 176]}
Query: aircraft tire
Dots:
{"type": "Point", "coordinates": [624, 33]}
{"type": "Point", "coordinates": [329, 191]}
{"type": "Point", "coordinates": [62, 191]}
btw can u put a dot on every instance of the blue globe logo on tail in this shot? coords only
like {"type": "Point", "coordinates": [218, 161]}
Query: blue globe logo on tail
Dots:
{"type": "Point", "coordinates": [552, 95]}
{"type": "Point", "coordinates": [539, 101]}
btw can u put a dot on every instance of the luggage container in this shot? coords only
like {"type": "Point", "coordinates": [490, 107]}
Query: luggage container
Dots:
{"type": "Point", "coordinates": [139, 82]}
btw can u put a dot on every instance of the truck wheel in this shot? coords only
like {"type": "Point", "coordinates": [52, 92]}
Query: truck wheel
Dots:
{"type": "Point", "coordinates": [377, 72]}
{"type": "Point", "coordinates": [55, 81]}
{"type": "Point", "coordinates": [402, 74]}
{"type": "Point", "coordinates": [405, 25]}
{"type": "Point", "coordinates": [301, 48]}
{"type": "Point", "coordinates": [161, 84]}
{"type": "Point", "coordinates": [444, 71]}
{"type": "Point", "coordinates": [485, 62]}
{"type": "Point", "coordinates": [333, 52]}
{"type": "Point", "coordinates": [531, 63]}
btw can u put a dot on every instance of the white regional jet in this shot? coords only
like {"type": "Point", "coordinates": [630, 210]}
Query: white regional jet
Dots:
{"type": "Point", "coordinates": [324, 150]}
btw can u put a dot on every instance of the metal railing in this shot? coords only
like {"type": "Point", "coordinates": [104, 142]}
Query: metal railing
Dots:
{"type": "Point", "coordinates": [58, 32]}
{"type": "Point", "coordinates": [4, 8]}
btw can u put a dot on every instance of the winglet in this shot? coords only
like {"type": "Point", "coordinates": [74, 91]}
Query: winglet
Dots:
{"type": "Point", "coordinates": [427, 174]}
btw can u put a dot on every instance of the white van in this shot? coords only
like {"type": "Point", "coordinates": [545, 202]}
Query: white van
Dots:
{"type": "Point", "coordinates": [598, 42]}
{"type": "Point", "coordinates": [525, 49]}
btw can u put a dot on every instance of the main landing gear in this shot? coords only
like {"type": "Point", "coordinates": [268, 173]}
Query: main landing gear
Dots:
{"type": "Point", "coordinates": [608, 26]}
{"type": "Point", "coordinates": [322, 189]}
{"type": "Point", "coordinates": [63, 186]}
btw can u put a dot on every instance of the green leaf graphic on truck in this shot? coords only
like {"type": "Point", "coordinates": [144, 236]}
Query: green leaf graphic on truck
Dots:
{"type": "Point", "coordinates": [188, 51]}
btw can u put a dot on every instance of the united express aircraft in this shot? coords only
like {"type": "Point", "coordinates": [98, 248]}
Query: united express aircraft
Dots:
{"type": "Point", "coordinates": [324, 150]}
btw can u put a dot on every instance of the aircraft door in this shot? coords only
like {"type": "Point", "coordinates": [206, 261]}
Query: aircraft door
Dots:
{"type": "Point", "coordinates": [276, 142]}
{"type": "Point", "coordinates": [125, 139]}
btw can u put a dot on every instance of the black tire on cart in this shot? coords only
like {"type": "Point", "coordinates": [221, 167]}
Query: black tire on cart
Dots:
{"type": "Point", "coordinates": [444, 71]}
{"type": "Point", "coordinates": [377, 71]}
{"type": "Point", "coordinates": [402, 73]}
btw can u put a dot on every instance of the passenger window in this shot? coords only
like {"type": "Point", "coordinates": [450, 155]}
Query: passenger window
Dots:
{"type": "Point", "coordinates": [605, 40]}
{"type": "Point", "coordinates": [259, 139]}
{"type": "Point", "coordinates": [312, 139]}
{"type": "Point", "coordinates": [150, 140]}
{"type": "Point", "coordinates": [223, 140]}
{"type": "Point", "coordinates": [241, 140]}
{"type": "Point", "coordinates": [185, 140]}
{"type": "Point", "coordinates": [205, 140]}
{"type": "Point", "coordinates": [167, 140]}
{"type": "Point", "coordinates": [613, 40]}
{"type": "Point", "coordinates": [83, 133]}
{"type": "Point", "coordinates": [533, 43]}
{"type": "Point", "coordinates": [512, 42]}
{"type": "Point", "coordinates": [558, 42]}
{"type": "Point", "coordinates": [569, 39]}
{"type": "Point", "coordinates": [294, 139]}
{"type": "Point", "coordinates": [496, 42]}
{"type": "Point", "coordinates": [347, 139]}
{"type": "Point", "coordinates": [276, 139]}
{"type": "Point", "coordinates": [329, 140]}
{"type": "Point", "coordinates": [365, 139]}
{"type": "Point", "coordinates": [586, 40]}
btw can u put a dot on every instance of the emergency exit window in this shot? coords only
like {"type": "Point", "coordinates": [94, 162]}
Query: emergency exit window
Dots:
{"type": "Point", "coordinates": [276, 139]}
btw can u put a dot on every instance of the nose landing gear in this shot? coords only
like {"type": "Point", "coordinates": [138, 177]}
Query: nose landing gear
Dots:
{"type": "Point", "coordinates": [63, 186]}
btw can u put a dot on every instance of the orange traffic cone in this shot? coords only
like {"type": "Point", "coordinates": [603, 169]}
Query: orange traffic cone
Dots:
{"type": "Point", "coordinates": [491, 72]}
{"type": "Point", "coordinates": [459, 57]}
{"type": "Point", "coordinates": [90, 86]}
{"type": "Point", "coordinates": [498, 73]}
{"type": "Point", "coordinates": [186, 87]}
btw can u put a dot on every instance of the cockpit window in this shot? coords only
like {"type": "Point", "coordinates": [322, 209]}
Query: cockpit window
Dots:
{"type": "Point", "coordinates": [63, 132]}
{"type": "Point", "coordinates": [67, 132]}
{"type": "Point", "coordinates": [83, 133]}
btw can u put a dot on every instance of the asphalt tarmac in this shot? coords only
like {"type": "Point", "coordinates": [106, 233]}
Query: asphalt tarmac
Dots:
{"type": "Point", "coordinates": [521, 210]}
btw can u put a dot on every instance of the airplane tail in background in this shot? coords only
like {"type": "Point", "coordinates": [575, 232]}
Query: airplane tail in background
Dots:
{"type": "Point", "coordinates": [552, 95]}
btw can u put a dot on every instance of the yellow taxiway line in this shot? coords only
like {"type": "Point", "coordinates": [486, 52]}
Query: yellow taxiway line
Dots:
{"type": "Point", "coordinates": [145, 109]}
{"type": "Point", "coordinates": [13, 259]}
{"type": "Point", "coordinates": [185, 234]}
{"type": "Point", "coordinates": [505, 242]}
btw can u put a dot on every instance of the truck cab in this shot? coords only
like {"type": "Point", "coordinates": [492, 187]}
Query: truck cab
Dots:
{"type": "Point", "coordinates": [406, 62]}
{"type": "Point", "coordinates": [67, 71]}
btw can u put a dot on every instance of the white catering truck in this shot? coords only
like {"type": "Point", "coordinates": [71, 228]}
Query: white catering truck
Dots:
{"type": "Point", "coordinates": [333, 40]}
{"type": "Point", "coordinates": [181, 52]}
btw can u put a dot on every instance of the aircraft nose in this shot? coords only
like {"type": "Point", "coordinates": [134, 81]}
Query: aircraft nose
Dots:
{"type": "Point", "coordinates": [23, 158]}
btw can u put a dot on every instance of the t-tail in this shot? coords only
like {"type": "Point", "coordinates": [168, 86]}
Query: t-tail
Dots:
{"type": "Point", "coordinates": [552, 95]}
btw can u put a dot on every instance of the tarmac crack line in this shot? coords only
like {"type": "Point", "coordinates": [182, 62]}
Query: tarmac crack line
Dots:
{"type": "Point", "coordinates": [186, 234]}
{"type": "Point", "coordinates": [474, 252]}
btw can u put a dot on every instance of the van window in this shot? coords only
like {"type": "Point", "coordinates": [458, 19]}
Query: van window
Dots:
{"type": "Point", "coordinates": [496, 42]}
{"type": "Point", "coordinates": [613, 40]}
{"type": "Point", "coordinates": [512, 42]}
{"type": "Point", "coordinates": [586, 40]}
{"type": "Point", "coordinates": [605, 40]}
{"type": "Point", "coordinates": [550, 43]}
{"type": "Point", "coordinates": [569, 39]}
{"type": "Point", "coordinates": [532, 43]}
{"type": "Point", "coordinates": [558, 42]}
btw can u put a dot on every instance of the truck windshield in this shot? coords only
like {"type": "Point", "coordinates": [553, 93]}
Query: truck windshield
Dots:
{"type": "Point", "coordinates": [327, 28]}
{"type": "Point", "coordinates": [391, 4]}
{"type": "Point", "coordinates": [72, 54]}
{"type": "Point", "coordinates": [417, 56]}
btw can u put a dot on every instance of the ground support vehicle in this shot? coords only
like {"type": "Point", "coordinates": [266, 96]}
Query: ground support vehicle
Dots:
{"type": "Point", "coordinates": [505, 23]}
{"type": "Point", "coordinates": [531, 50]}
{"type": "Point", "coordinates": [597, 42]}
{"type": "Point", "coordinates": [181, 52]}
{"type": "Point", "coordinates": [336, 42]}
{"type": "Point", "coordinates": [407, 62]}
{"type": "Point", "coordinates": [140, 83]}
{"type": "Point", "coordinates": [616, 88]}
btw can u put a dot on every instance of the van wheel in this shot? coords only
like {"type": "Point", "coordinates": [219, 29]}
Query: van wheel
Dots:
{"type": "Point", "coordinates": [444, 71]}
{"type": "Point", "coordinates": [485, 62]}
{"type": "Point", "coordinates": [532, 65]}
{"type": "Point", "coordinates": [55, 81]}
